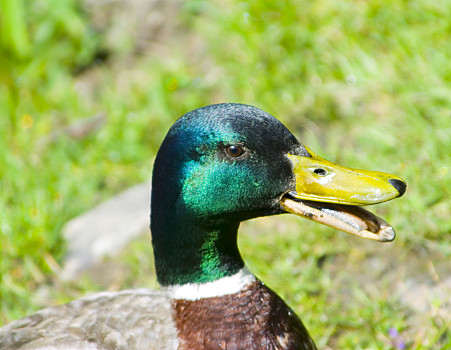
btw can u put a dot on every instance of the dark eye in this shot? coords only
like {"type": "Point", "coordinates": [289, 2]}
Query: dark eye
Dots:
{"type": "Point", "coordinates": [234, 151]}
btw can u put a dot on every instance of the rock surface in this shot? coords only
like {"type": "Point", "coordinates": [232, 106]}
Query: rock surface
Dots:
{"type": "Point", "coordinates": [106, 229]}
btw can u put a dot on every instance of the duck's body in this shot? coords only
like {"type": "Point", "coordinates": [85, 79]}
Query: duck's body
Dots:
{"type": "Point", "coordinates": [218, 165]}
{"type": "Point", "coordinates": [236, 312]}
{"type": "Point", "coordinates": [106, 320]}
{"type": "Point", "coordinates": [171, 319]}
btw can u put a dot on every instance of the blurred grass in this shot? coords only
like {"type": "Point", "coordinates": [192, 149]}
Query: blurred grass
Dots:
{"type": "Point", "coordinates": [365, 84]}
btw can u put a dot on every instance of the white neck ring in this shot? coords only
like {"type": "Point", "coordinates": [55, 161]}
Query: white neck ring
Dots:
{"type": "Point", "coordinates": [223, 286]}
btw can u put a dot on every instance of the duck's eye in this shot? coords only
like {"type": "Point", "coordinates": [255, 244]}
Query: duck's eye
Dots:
{"type": "Point", "coordinates": [234, 151]}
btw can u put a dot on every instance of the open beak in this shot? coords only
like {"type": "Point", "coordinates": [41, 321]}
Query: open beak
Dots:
{"type": "Point", "coordinates": [330, 194]}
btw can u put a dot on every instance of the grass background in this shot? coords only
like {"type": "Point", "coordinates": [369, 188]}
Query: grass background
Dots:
{"type": "Point", "coordinates": [364, 84]}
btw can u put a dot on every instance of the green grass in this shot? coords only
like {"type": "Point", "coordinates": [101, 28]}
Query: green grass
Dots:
{"type": "Point", "coordinates": [365, 84]}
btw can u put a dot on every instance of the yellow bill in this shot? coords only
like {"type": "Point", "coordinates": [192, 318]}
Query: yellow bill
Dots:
{"type": "Point", "coordinates": [330, 194]}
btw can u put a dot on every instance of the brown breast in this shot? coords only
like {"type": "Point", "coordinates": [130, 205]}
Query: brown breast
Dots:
{"type": "Point", "coordinates": [255, 318]}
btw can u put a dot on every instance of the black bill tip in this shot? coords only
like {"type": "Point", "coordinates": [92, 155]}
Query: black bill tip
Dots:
{"type": "Point", "coordinates": [400, 186]}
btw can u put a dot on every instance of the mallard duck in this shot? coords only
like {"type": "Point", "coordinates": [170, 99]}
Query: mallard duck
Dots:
{"type": "Point", "coordinates": [218, 166]}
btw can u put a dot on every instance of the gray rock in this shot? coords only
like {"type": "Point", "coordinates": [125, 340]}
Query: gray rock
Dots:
{"type": "Point", "coordinates": [106, 229]}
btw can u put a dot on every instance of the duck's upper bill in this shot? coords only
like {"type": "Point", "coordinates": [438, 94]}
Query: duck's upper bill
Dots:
{"type": "Point", "coordinates": [330, 194]}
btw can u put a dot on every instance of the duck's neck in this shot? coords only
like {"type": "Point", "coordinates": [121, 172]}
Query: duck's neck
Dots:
{"type": "Point", "coordinates": [186, 253]}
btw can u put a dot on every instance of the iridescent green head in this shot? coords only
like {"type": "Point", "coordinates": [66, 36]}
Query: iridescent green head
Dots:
{"type": "Point", "coordinates": [222, 164]}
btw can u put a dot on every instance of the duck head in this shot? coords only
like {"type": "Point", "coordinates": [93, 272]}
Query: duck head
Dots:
{"type": "Point", "coordinates": [226, 163]}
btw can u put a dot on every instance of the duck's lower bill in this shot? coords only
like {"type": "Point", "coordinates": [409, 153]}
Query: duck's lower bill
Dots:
{"type": "Point", "coordinates": [350, 219]}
